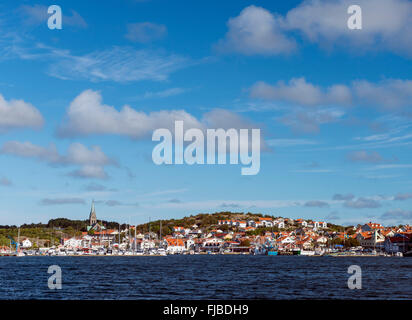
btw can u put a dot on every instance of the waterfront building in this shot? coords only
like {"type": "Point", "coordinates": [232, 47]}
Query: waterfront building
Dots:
{"type": "Point", "coordinates": [93, 224]}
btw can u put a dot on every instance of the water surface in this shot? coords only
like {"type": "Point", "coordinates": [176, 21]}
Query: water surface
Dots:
{"type": "Point", "coordinates": [206, 277]}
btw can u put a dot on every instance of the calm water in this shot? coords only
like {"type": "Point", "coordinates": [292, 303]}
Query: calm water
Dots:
{"type": "Point", "coordinates": [205, 277]}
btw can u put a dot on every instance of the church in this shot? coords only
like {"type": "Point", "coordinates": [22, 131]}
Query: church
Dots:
{"type": "Point", "coordinates": [93, 224]}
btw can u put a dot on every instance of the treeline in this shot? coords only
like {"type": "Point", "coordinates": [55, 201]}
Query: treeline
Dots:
{"type": "Point", "coordinates": [205, 221]}
{"type": "Point", "coordinates": [64, 223]}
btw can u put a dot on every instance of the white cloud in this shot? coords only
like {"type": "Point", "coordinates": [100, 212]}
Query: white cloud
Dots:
{"type": "Point", "coordinates": [91, 161]}
{"type": "Point", "coordinates": [388, 94]}
{"type": "Point", "coordinates": [385, 24]}
{"type": "Point", "coordinates": [89, 171]}
{"type": "Point", "coordinates": [87, 115]}
{"type": "Point", "coordinates": [309, 121]}
{"type": "Point", "coordinates": [145, 32]}
{"type": "Point", "coordinates": [37, 14]}
{"type": "Point", "coordinates": [255, 31]}
{"type": "Point", "coordinates": [120, 64]}
{"type": "Point", "coordinates": [18, 114]}
{"type": "Point", "coordinates": [301, 92]}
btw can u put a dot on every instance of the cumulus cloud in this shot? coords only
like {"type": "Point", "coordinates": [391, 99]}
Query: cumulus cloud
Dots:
{"type": "Point", "coordinates": [61, 201]}
{"type": "Point", "coordinates": [301, 92]}
{"type": "Point", "coordinates": [309, 121]}
{"type": "Point", "coordinates": [18, 114]}
{"type": "Point", "coordinates": [362, 203]}
{"type": "Point", "coordinates": [255, 31]}
{"type": "Point", "coordinates": [89, 171]}
{"type": "Point", "coordinates": [144, 32]}
{"type": "Point", "coordinates": [87, 115]}
{"type": "Point", "coordinates": [387, 94]}
{"type": "Point", "coordinates": [385, 24]}
{"type": "Point", "coordinates": [317, 203]}
{"type": "Point", "coordinates": [37, 14]}
{"type": "Point", "coordinates": [91, 161]}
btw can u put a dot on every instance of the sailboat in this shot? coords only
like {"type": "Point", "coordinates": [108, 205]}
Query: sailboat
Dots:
{"type": "Point", "coordinates": [18, 251]}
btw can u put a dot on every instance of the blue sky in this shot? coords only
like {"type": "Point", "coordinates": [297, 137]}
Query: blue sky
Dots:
{"type": "Point", "coordinates": [78, 107]}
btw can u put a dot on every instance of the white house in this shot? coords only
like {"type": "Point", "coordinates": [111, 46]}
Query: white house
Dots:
{"type": "Point", "coordinates": [190, 244]}
{"type": "Point", "coordinates": [265, 222]}
{"type": "Point", "coordinates": [26, 243]}
{"type": "Point", "coordinates": [72, 243]}
{"type": "Point", "coordinates": [320, 224]}
{"type": "Point", "coordinates": [147, 244]}
{"type": "Point", "coordinates": [251, 223]}
{"type": "Point", "coordinates": [175, 246]}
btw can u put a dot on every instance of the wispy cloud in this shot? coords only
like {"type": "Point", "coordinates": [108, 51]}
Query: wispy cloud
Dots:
{"type": "Point", "coordinates": [119, 64]}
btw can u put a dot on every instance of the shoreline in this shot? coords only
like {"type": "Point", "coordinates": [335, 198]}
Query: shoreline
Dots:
{"type": "Point", "coordinates": [203, 254]}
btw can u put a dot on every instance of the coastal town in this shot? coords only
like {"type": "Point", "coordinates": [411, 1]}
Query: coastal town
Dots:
{"type": "Point", "coordinates": [236, 234]}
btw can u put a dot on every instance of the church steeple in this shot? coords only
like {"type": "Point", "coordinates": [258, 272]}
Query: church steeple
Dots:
{"type": "Point", "coordinates": [92, 216]}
